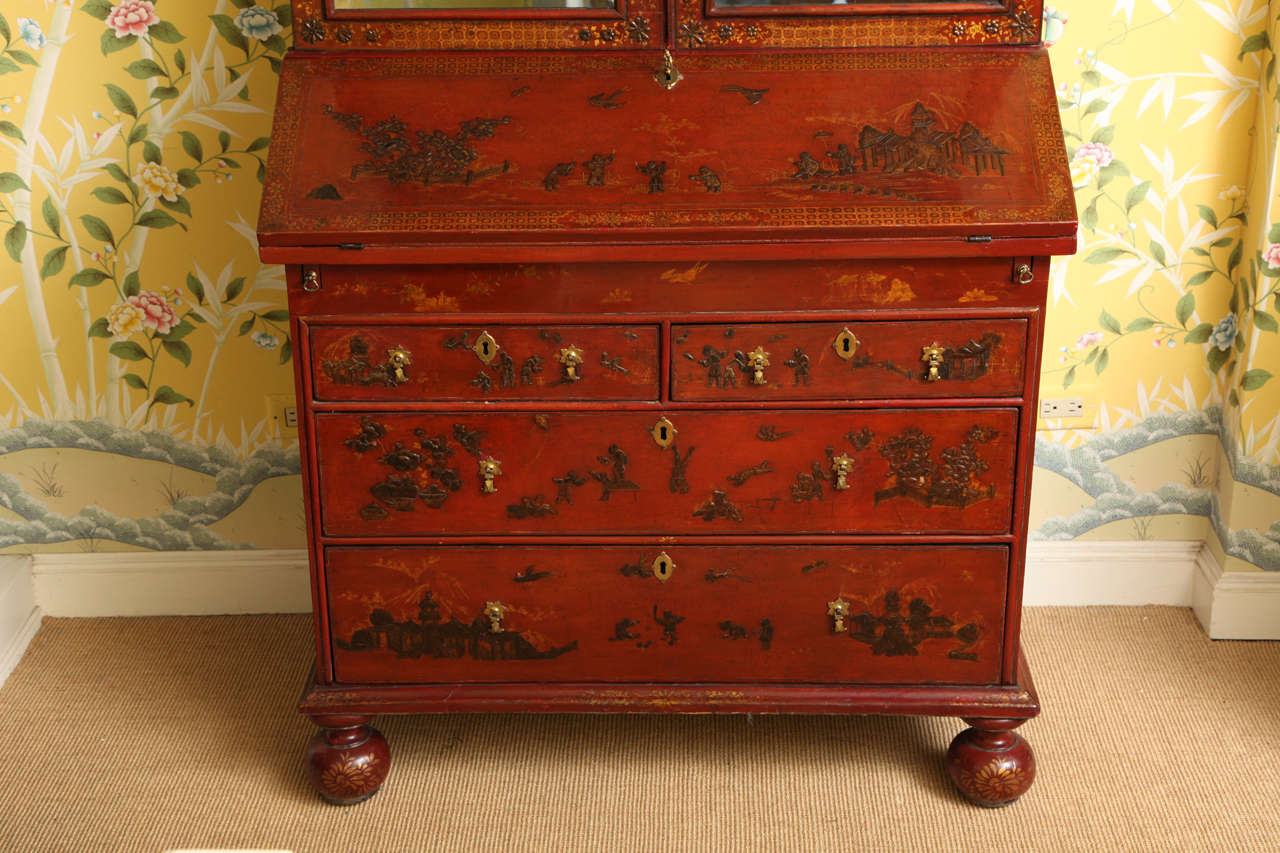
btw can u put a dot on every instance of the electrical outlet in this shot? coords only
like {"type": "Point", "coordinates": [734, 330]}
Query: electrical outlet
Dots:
{"type": "Point", "coordinates": [1057, 411]}
{"type": "Point", "coordinates": [282, 412]}
{"type": "Point", "coordinates": [1053, 408]}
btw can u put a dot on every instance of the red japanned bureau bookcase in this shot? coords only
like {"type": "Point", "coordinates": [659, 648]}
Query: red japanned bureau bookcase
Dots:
{"type": "Point", "coordinates": [667, 357]}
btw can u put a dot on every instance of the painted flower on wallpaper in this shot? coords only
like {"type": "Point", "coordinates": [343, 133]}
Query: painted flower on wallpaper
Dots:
{"type": "Point", "coordinates": [123, 319]}
{"type": "Point", "coordinates": [132, 18]}
{"type": "Point", "coordinates": [1055, 23]}
{"type": "Point", "coordinates": [1224, 334]}
{"type": "Point", "coordinates": [258, 23]}
{"type": "Point", "coordinates": [157, 314]}
{"type": "Point", "coordinates": [1272, 255]}
{"type": "Point", "coordinates": [1088, 161]}
{"type": "Point", "coordinates": [157, 180]}
{"type": "Point", "coordinates": [1088, 339]}
{"type": "Point", "coordinates": [266, 340]}
{"type": "Point", "coordinates": [29, 31]}
{"type": "Point", "coordinates": [1231, 193]}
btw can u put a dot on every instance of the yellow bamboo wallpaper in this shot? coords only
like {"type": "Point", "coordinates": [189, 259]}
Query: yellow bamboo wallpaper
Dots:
{"type": "Point", "coordinates": [143, 339]}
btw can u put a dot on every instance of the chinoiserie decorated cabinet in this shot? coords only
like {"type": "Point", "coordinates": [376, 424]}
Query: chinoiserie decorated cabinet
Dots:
{"type": "Point", "coordinates": [667, 357]}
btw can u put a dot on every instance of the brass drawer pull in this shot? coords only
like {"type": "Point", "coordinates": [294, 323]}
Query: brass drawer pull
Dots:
{"type": "Point", "coordinates": [838, 610]}
{"type": "Point", "coordinates": [932, 355]}
{"type": "Point", "coordinates": [663, 566]}
{"type": "Point", "coordinates": [490, 468]}
{"type": "Point", "coordinates": [311, 281]}
{"type": "Point", "coordinates": [842, 467]}
{"type": "Point", "coordinates": [485, 347]}
{"type": "Point", "coordinates": [398, 358]}
{"type": "Point", "coordinates": [1023, 274]}
{"type": "Point", "coordinates": [846, 344]}
{"type": "Point", "coordinates": [758, 360]}
{"type": "Point", "coordinates": [570, 359]}
{"type": "Point", "coordinates": [494, 611]}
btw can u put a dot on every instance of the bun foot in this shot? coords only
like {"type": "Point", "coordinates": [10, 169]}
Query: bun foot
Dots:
{"type": "Point", "coordinates": [991, 764]}
{"type": "Point", "coordinates": [347, 760]}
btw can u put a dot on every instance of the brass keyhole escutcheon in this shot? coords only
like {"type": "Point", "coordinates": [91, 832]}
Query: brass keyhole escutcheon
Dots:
{"type": "Point", "coordinates": [932, 355]}
{"type": "Point", "coordinates": [490, 468]}
{"type": "Point", "coordinates": [663, 566]}
{"type": "Point", "coordinates": [398, 360]}
{"type": "Point", "coordinates": [494, 611]}
{"type": "Point", "coordinates": [663, 432]}
{"type": "Point", "coordinates": [668, 75]}
{"type": "Point", "coordinates": [846, 344]}
{"type": "Point", "coordinates": [838, 610]}
{"type": "Point", "coordinates": [570, 359]}
{"type": "Point", "coordinates": [485, 347]}
{"type": "Point", "coordinates": [758, 360]}
{"type": "Point", "coordinates": [842, 467]}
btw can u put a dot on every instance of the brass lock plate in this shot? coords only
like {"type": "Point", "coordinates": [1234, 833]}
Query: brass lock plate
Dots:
{"type": "Point", "coordinates": [846, 344]}
{"type": "Point", "coordinates": [663, 432]}
{"type": "Point", "coordinates": [663, 566]}
{"type": "Point", "coordinates": [485, 348]}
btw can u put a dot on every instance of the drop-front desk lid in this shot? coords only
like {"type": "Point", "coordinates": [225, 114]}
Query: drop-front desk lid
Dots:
{"type": "Point", "coordinates": [472, 150]}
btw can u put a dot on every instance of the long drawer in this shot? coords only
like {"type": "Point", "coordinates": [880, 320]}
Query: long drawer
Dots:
{"type": "Point", "coordinates": [862, 359]}
{"type": "Point", "coordinates": [822, 471]}
{"type": "Point", "coordinates": [814, 614]}
{"type": "Point", "coordinates": [493, 362]}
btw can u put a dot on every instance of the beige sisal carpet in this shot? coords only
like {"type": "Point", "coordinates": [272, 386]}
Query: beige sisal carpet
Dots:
{"type": "Point", "coordinates": [149, 734]}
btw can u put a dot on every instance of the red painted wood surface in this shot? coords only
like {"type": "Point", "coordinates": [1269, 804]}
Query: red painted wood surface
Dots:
{"type": "Point", "coordinates": [619, 362]}
{"type": "Point", "coordinates": [558, 147]}
{"type": "Point", "coordinates": [857, 359]}
{"type": "Point", "coordinates": [726, 472]}
{"type": "Point", "coordinates": [916, 615]}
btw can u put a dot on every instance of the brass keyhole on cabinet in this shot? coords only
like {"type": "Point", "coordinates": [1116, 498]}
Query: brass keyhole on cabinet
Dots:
{"type": "Point", "coordinates": [663, 432]}
{"type": "Point", "coordinates": [838, 610]}
{"type": "Point", "coordinates": [485, 347]}
{"type": "Point", "coordinates": [846, 343]}
{"type": "Point", "coordinates": [663, 566]}
{"type": "Point", "coordinates": [494, 611]}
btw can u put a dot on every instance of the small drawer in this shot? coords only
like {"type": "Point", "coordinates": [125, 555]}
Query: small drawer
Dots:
{"type": "Point", "coordinates": [670, 613]}
{"type": "Point", "coordinates": [698, 472]}
{"type": "Point", "coordinates": [494, 362]}
{"type": "Point", "coordinates": [854, 360]}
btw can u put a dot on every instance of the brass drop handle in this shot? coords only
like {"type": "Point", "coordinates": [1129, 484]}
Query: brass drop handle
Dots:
{"type": "Point", "coordinates": [494, 611]}
{"type": "Point", "coordinates": [398, 359]}
{"type": "Point", "coordinates": [571, 359]}
{"type": "Point", "coordinates": [758, 360]}
{"type": "Point", "coordinates": [1022, 274]}
{"type": "Point", "coordinates": [932, 355]}
{"type": "Point", "coordinates": [311, 281]}
{"type": "Point", "coordinates": [838, 610]}
{"type": "Point", "coordinates": [842, 467]}
{"type": "Point", "coordinates": [663, 566]}
{"type": "Point", "coordinates": [490, 468]}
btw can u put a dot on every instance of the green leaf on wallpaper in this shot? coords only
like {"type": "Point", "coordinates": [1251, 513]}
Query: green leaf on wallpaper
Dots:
{"type": "Point", "coordinates": [179, 331]}
{"type": "Point", "coordinates": [1199, 334]}
{"type": "Point", "coordinates": [276, 315]}
{"type": "Point", "coordinates": [99, 329]}
{"type": "Point", "coordinates": [180, 350]}
{"type": "Point", "coordinates": [196, 288]}
{"type": "Point", "coordinates": [1222, 241]}
{"type": "Point", "coordinates": [1265, 321]}
{"type": "Point", "coordinates": [1104, 358]}
{"type": "Point", "coordinates": [120, 98]}
{"type": "Point", "coordinates": [1135, 195]}
{"type": "Point", "coordinates": [132, 285]}
{"type": "Point", "coordinates": [1273, 233]}
{"type": "Point", "coordinates": [258, 144]}
{"type": "Point", "coordinates": [128, 351]}
{"type": "Point", "coordinates": [4, 30]}
{"type": "Point", "coordinates": [188, 178]}
{"type": "Point", "coordinates": [1069, 378]}
{"type": "Point", "coordinates": [133, 380]}
{"type": "Point", "coordinates": [286, 350]}
{"type": "Point", "coordinates": [1107, 174]}
{"type": "Point", "coordinates": [50, 214]}
{"type": "Point", "coordinates": [1254, 379]}
{"type": "Point", "coordinates": [191, 145]}
{"type": "Point", "coordinates": [15, 240]}
{"type": "Point", "coordinates": [1093, 355]}
{"type": "Point", "coordinates": [151, 152]}
{"type": "Point", "coordinates": [1138, 324]}
{"type": "Point", "coordinates": [1093, 78]}
{"type": "Point", "coordinates": [98, 8]}
{"type": "Point", "coordinates": [179, 60]}
{"type": "Point", "coordinates": [1233, 304]}
{"type": "Point", "coordinates": [114, 170]}
{"type": "Point", "coordinates": [1199, 278]}
{"type": "Point", "coordinates": [23, 57]}
{"type": "Point", "coordinates": [224, 141]}
{"type": "Point", "coordinates": [275, 64]}
{"type": "Point", "coordinates": [1104, 134]}
{"type": "Point", "coordinates": [243, 4]}
{"type": "Point", "coordinates": [164, 93]}
{"type": "Point", "coordinates": [165, 32]}
{"type": "Point", "coordinates": [1186, 305]}
{"type": "Point", "coordinates": [1108, 322]}
{"type": "Point", "coordinates": [276, 44]}
{"type": "Point", "coordinates": [1201, 252]}
{"type": "Point", "coordinates": [97, 228]}
{"type": "Point", "coordinates": [88, 277]}
{"type": "Point", "coordinates": [7, 65]}
{"type": "Point", "coordinates": [181, 205]}
{"type": "Point", "coordinates": [1157, 252]}
{"type": "Point", "coordinates": [144, 69]}
{"type": "Point", "coordinates": [169, 397]}
{"type": "Point", "coordinates": [235, 164]}
{"type": "Point", "coordinates": [1101, 256]}
{"type": "Point", "coordinates": [10, 182]}
{"type": "Point", "coordinates": [233, 288]}
{"type": "Point", "coordinates": [53, 261]}
{"type": "Point", "coordinates": [1089, 218]}
{"type": "Point", "coordinates": [1216, 358]}
{"type": "Point", "coordinates": [1270, 74]}
{"type": "Point", "coordinates": [247, 326]}
{"type": "Point", "coordinates": [1233, 260]}
{"type": "Point", "coordinates": [110, 195]}
{"type": "Point", "coordinates": [1239, 343]}
{"type": "Point", "coordinates": [285, 13]}
{"type": "Point", "coordinates": [1207, 214]}
{"type": "Point", "coordinates": [1097, 105]}
{"type": "Point", "coordinates": [262, 172]}
{"type": "Point", "coordinates": [1257, 41]}
{"type": "Point", "coordinates": [230, 32]}
{"type": "Point", "coordinates": [11, 130]}
{"type": "Point", "coordinates": [138, 133]}
{"type": "Point", "coordinates": [158, 219]}
{"type": "Point", "coordinates": [1233, 398]}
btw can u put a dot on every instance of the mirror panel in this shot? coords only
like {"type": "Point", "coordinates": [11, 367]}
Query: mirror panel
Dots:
{"type": "Point", "coordinates": [447, 5]}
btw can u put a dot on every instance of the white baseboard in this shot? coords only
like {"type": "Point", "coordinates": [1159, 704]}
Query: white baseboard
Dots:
{"type": "Point", "coordinates": [1236, 605]}
{"type": "Point", "coordinates": [1075, 573]}
{"type": "Point", "coordinates": [19, 615]}
{"type": "Point", "coordinates": [172, 583]}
